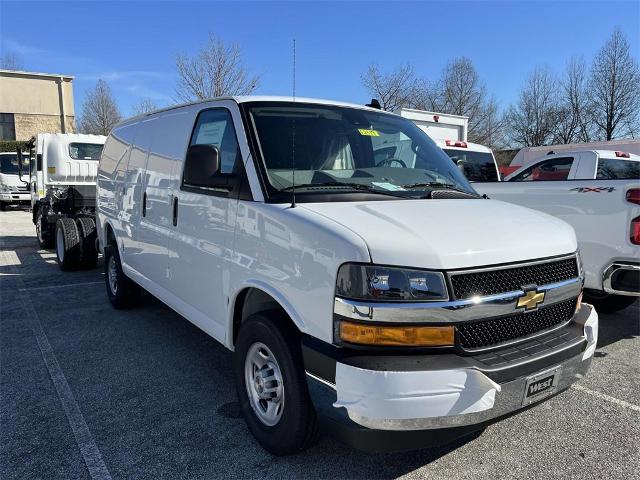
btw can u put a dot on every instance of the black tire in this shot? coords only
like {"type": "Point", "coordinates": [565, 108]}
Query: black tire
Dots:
{"type": "Point", "coordinates": [3, 206]}
{"type": "Point", "coordinates": [87, 231]}
{"type": "Point", "coordinates": [67, 244]}
{"type": "Point", "coordinates": [297, 427]}
{"type": "Point", "coordinates": [43, 231]}
{"type": "Point", "coordinates": [607, 303]}
{"type": "Point", "coordinates": [124, 292]}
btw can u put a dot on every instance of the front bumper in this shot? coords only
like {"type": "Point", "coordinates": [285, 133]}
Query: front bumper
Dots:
{"type": "Point", "coordinates": [395, 402]}
{"type": "Point", "coordinates": [14, 197]}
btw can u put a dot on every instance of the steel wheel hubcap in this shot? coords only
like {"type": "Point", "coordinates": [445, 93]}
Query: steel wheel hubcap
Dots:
{"type": "Point", "coordinates": [265, 387]}
{"type": "Point", "coordinates": [112, 273]}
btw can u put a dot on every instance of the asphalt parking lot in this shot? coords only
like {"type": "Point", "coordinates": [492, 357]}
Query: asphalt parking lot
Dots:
{"type": "Point", "coordinates": [90, 392]}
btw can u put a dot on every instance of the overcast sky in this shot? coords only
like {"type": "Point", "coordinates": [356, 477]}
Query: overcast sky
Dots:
{"type": "Point", "coordinates": [132, 45]}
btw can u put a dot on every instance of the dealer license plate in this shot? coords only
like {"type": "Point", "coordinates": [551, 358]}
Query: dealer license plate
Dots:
{"type": "Point", "coordinates": [541, 385]}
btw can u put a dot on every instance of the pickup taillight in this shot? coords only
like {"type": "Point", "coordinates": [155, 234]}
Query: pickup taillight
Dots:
{"type": "Point", "coordinates": [633, 195]}
{"type": "Point", "coordinates": [635, 231]}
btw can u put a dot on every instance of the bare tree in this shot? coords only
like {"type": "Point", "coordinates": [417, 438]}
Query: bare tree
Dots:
{"type": "Point", "coordinates": [614, 88]}
{"type": "Point", "coordinates": [572, 122]}
{"type": "Point", "coordinates": [11, 61]}
{"type": "Point", "coordinates": [216, 70]}
{"type": "Point", "coordinates": [99, 110]}
{"type": "Point", "coordinates": [394, 89]}
{"type": "Point", "coordinates": [532, 119]}
{"type": "Point", "coordinates": [489, 126]}
{"type": "Point", "coordinates": [146, 105]}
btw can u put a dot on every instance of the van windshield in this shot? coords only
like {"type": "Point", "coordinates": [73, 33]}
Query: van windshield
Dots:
{"type": "Point", "coordinates": [9, 163]}
{"type": "Point", "coordinates": [336, 149]}
{"type": "Point", "coordinates": [476, 166]}
{"type": "Point", "coordinates": [85, 151]}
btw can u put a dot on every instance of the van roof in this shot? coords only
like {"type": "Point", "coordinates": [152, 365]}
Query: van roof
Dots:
{"type": "Point", "coordinates": [73, 137]}
{"type": "Point", "coordinates": [255, 98]}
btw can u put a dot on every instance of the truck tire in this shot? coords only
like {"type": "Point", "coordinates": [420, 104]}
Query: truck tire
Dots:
{"type": "Point", "coordinates": [43, 231]}
{"type": "Point", "coordinates": [607, 303]}
{"type": "Point", "coordinates": [67, 244]}
{"type": "Point", "coordinates": [121, 290]}
{"type": "Point", "coordinates": [87, 231]}
{"type": "Point", "coordinates": [3, 206]}
{"type": "Point", "coordinates": [267, 367]}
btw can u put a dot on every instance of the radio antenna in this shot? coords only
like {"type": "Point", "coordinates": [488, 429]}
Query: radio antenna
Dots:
{"type": "Point", "coordinates": [293, 134]}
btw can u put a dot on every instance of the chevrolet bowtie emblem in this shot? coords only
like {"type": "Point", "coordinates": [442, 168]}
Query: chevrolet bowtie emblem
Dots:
{"type": "Point", "coordinates": [530, 300]}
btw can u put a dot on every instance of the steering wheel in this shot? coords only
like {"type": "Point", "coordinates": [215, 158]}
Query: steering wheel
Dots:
{"type": "Point", "coordinates": [388, 161]}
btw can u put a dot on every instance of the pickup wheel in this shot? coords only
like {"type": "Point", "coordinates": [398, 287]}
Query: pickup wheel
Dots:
{"type": "Point", "coordinates": [608, 303]}
{"type": "Point", "coordinates": [122, 291]}
{"type": "Point", "coordinates": [67, 244]}
{"type": "Point", "coordinates": [3, 206]}
{"type": "Point", "coordinates": [43, 231]}
{"type": "Point", "coordinates": [272, 386]}
{"type": "Point", "coordinates": [87, 232]}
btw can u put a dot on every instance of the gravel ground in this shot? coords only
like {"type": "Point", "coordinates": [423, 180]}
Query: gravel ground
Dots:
{"type": "Point", "coordinates": [90, 392]}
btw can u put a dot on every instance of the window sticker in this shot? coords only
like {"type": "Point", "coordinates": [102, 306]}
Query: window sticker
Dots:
{"type": "Point", "coordinates": [211, 133]}
{"type": "Point", "coordinates": [388, 186]}
{"type": "Point", "coordinates": [368, 133]}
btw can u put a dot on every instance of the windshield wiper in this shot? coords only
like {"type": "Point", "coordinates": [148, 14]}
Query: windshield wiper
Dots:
{"type": "Point", "coordinates": [448, 186]}
{"type": "Point", "coordinates": [354, 186]}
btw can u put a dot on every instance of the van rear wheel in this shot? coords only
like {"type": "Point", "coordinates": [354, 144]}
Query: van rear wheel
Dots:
{"type": "Point", "coordinates": [272, 386]}
{"type": "Point", "coordinates": [67, 244]}
{"type": "Point", "coordinates": [122, 291]}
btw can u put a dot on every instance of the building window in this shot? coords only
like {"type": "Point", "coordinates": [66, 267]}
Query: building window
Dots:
{"type": "Point", "coordinates": [7, 127]}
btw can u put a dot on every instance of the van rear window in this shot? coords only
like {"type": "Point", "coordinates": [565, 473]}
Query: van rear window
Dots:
{"type": "Point", "coordinates": [615, 169]}
{"type": "Point", "coordinates": [85, 151]}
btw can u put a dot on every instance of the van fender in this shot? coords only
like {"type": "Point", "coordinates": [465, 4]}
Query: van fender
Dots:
{"type": "Point", "coordinates": [103, 243]}
{"type": "Point", "coordinates": [274, 293]}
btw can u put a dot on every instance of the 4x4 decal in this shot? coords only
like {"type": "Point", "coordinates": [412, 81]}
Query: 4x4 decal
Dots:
{"type": "Point", "coordinates": [593, 189]}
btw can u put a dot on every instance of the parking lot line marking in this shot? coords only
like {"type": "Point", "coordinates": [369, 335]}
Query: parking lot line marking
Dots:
{"type": "Point", "coordinates": [608, 398]}
{"type": "Point", "coordinates": [48, 287]}
{"type": "Point", "coordinates": [87, 445]}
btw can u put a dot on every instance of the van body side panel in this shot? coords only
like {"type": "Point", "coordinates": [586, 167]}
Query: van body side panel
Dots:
{"type": "Point", "coordinates": [133, 188]}
{"type": "Point", "coordinates": [168, 145]}
{"type": "Point", "coordinates": [293, 254]}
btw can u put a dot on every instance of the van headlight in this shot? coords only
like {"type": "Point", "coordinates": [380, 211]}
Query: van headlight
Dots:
{"type": "Point", "coordinates": [388, 284]}
{"type": "Point", "coordinates": [4, 188]}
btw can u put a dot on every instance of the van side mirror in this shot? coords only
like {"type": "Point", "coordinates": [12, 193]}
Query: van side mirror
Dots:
{"type": "Point", "coordinates": [201, 166]}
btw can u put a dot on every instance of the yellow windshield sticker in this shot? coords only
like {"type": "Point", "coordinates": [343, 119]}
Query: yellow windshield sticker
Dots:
{"type": "Point", "coordinates": [368, 133]}
{"type": "Point", "coordinates": [51, 169]}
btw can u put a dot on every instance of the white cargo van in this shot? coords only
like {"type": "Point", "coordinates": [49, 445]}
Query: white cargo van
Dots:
{"type": "Point", "coordinates": [378, 297]}
{"type": "Point", "coordinates": [13, 191]}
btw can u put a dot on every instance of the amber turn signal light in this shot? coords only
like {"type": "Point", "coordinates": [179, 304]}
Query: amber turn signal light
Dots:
{"type": "Point", "coordinates": [408, 336]}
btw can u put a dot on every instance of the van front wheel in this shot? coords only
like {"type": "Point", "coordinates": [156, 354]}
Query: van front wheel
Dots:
{"type": "Point", "coordinates": [272, 386]}
{"type": "Point", "coordinates": [122, 291]}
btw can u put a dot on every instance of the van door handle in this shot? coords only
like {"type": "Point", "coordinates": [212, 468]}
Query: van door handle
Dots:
{"type": "Point", "coordinates": [144, 204]}
{"type": "Point", "coordinates": [175, 211]}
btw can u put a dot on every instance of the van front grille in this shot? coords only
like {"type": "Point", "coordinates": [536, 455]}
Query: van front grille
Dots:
{"type": "Point", "coordinates": [500, 280]}
{"type": "Point", "coordinates": [491, 332]}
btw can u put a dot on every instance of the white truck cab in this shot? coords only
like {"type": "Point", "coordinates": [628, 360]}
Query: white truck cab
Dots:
{"type": "Point", "coordinates": [371, 294]}
{"type": "Point", "coordinates": [13, 191]}
{"type": "Point", "coordinates": [62, 185]}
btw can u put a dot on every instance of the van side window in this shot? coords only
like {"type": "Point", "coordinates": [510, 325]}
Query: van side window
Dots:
{"type": "Point", "coordinates": [552, 169]}
{"type": "Point", "coordinates": [215, 127]}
